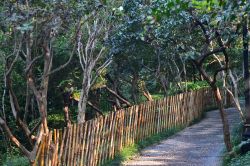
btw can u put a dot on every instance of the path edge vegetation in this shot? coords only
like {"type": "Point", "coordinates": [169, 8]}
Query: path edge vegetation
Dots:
{"type": "Point", "coordinates": [238, 159]}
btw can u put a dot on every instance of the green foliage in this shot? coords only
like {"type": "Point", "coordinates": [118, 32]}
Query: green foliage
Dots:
{"type": "Point", "coordinates": [16, 161]}
{"type": "Point", "coordinates": [236, 134]}
{"type": "Point", "coordinates": [13, 157]}
{"type": "Point", "coordinates": [240, 160]}
{"type": "Point", "coordinates": [56, 121]}
{"type": "Point", "coordinates": [236, 141]}
{"type": "Point", "coordinates": [191, 86]}
{"type": "Point", "coordinates": [157, 96]}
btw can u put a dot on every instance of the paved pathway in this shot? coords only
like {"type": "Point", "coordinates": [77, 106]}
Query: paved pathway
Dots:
{"type": "Point", "coordinates": [197, 145]}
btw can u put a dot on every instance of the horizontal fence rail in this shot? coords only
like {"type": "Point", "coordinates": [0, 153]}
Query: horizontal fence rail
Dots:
{"type": "Point", "coordinates": [100, 139]}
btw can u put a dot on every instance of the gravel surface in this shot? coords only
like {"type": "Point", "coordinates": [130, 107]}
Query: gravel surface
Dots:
{"type": "Point", "coordinates": [198, 145]}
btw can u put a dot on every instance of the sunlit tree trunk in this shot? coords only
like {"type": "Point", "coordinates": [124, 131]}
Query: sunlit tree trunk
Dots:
{"type": "Point", "coordinates": [224, 119]}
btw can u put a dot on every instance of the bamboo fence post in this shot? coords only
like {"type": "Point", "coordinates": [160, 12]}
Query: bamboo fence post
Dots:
{"type": "Point", "coordinates": [68, 158]}
{"type": "Point", "coordinates": [136, 123]}
{"type": "Point", "coordinates": [107, 154]}
{"type": "Point", "coordinates": [150, 124]}
{"type": "Point", "coordinates": [171, 112]}
{"type": "Point", "coordinates": [114, 130]}
{"type": "Point", "coordinates": [164, 105]}
{"type": "Point", "coordinates": [94, 140]}
{"type": "Point", "coordinates": [62, 146]}
{"type": "Point", "coordinates": [48, 149]}
{"type": "Point", "coordinates": [167, 113]}
{"type": "Point", "coordinates": [132, 121]}
{"type": "Point", "coordinates": [102, 154]}
{"type": "Point", "coordinates": [76, 144]}
{"type": "Point", "coordinates": [55, 156]}
{"type": "Point", "coordinates": [120, 131]}
{"type": "Point", "coordinates": [89, 141]}
{"type": "Point", "coordinates": [143, 122]}
{"type": "Point", "coordinates": [139, 123]}
{"type": "Point", "coordinates": [65, 152]}
{"type": "Point", "coordinates": [79, 144]}
{"type": "Point", "coordinates": [154, 117]}
{"type": "Point", "coordinates": [176, 111]}
{"type": "Point", "coordinates": [83, 143]}
{"type": "Point", "coordinates": [162, 115]}
{"type": "Point", "coordinates": [42, 148]}
{"type": "Point", "coordinates": [98, 141]}
{"type": "Point", "coordinates": [157, 115]}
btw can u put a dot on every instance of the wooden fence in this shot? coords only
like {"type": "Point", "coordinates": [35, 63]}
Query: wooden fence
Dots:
{"type": "Point", "coordinates": [100, 139]}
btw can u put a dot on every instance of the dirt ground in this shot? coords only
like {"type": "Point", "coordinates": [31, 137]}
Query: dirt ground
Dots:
{"type": "Point", "coordinates": [198, 145]}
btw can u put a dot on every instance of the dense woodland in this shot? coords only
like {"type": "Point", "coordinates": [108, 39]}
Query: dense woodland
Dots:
{"type": "Point", "coordinates": [67, 61]}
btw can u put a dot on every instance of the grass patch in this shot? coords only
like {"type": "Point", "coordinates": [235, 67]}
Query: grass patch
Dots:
{"type": "Point", "coordinates": [130, 151]}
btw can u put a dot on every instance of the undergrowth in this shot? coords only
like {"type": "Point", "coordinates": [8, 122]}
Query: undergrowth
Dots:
{"type": "Point", "coordinates": [238, 160]}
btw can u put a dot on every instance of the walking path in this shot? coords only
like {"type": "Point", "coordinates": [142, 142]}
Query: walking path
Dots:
{"type": "Point", "coordinates": [198, 145]}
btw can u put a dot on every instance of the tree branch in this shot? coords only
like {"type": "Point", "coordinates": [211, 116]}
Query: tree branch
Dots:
{"type": "Point", "coordinates": [207, 54]}
{"type": "Point", "coordinates": [95, 108]}
{"type": "Point", "coordinates": [119, 97]}
{"type": "Point", "coordinates": [31, 64]}
{"type": "Point", "coordinates": [217, 72]}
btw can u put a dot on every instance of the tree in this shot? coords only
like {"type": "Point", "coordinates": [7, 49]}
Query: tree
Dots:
{"type": "Point", "coordinates": [30, 31]}
{"type": "Point", "coordinates": [91, 52]}
{"type": "Point", "coordinates": [201, 38]}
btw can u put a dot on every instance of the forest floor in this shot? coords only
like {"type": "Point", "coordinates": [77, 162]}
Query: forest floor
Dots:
{"type": "Point", "coordinates": [198, 145]}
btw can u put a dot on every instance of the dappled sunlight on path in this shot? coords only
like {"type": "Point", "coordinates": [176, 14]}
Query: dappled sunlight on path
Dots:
{"type": "Point", "coordinates": [198, 145]}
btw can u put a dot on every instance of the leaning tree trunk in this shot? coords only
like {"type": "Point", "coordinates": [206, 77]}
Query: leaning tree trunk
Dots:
{"type": "Point", "coordinates": [219, 101]}
{"type": "Point", "coordinates": [223, 115]}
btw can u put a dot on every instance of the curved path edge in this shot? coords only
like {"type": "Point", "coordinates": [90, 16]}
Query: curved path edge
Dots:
{"type": "Point", "coordinates": [198, 145]}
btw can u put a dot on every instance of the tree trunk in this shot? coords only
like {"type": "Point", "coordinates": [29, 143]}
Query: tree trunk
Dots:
{"type": "Point", "coordinates": [147, 95]}
{"type": "Point", "coordinates": [219, 101]}
{"type": "Point", "coordinates": [66, 115]}
{"type": "Point", "coordinates": [66, 100]}
{"type": "Point", "coordinates": [223, 115]}
{"type": "Point", "coordinates": [246, 70]}
{"type": "Point", "coordinates": [134, 83]}
{"type": "Point", "coordinates": [118, 104]}
{"type": "Point", "coordinates": [144, 90]}
{"type": "Point", "coordinates": [164, 84]}
{"type": "Point", "coordinates": [82, 105]}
